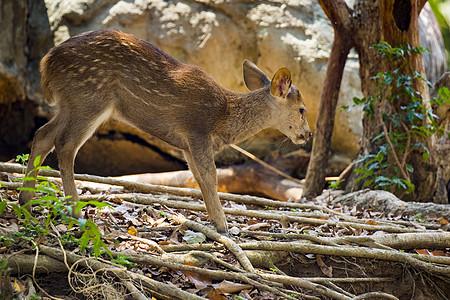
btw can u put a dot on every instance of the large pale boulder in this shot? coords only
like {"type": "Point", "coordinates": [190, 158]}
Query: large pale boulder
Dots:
{"type": "Point", "coordinates": [219, 35]}
{"type": "Point", "coordinates": [216, 35]}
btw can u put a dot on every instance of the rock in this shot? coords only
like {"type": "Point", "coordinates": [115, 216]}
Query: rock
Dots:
{"type": "Point", "coordinates": [442, 148]}
{"type": "Point", "coordinates": [218, 36]}
{"type": "Point", "coordinates": [12, 57]}
{"type": "Point", "coordinates": [436, 60]}
{"type": "Point", "coordinates": [15, 115]}
{"type": "Point", "coordinates": [215, 35]}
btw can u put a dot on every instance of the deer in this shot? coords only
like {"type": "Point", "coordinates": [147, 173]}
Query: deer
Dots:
{"type": "Point", "coordinates": [100, 75]}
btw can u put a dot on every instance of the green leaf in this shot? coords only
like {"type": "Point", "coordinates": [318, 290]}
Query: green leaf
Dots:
{"type": "Point", "coordinates": [369, 182]}
{"type": "Point", "coordinates": [378, 136]}
{"type": "Point", "coordinates": [37, 161]}
{"type": "Point", "coordinates": [444, 93]}
{"type": "Point", "coordinates": [409, 168]}
{"type": "Point", "coordinates": [346, 107]}
{"type": "Point", "coordinates": [363, 177]}
{"type": "Point", "coordinates": [192, 237]}
{"type": "Point", "coordinates": [3, 206]}
{"type": "Point", "coordinates": [374, 166]}
{"type": "Point", "coordinates": [17, 210]}
{"type": "Point", "coordinates": [411, 187]}
{"type": "Point", "coordinates": [425, 155]}
{"type": "Point", "coordinates": [362, 171]}
{"type": "Point", "coordinates": [382, 178]}
{"type": "Point", "coordinates": [22, 158]}
{"type": "Point", "coordinates": [364, 158]}
{"type": "Point", "coordinates": [82, 223]}
{"type": "Point", "coordinates": [28, 215]}
{"type": "Point", "coordinates": [400, 182]}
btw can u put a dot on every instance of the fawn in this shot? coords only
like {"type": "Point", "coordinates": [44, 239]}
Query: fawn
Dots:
{"type": "Point", "coordinates": [106, 74]}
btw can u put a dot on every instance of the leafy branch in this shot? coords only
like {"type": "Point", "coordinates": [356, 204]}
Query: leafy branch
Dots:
{"type": "Point", "coordinates": [56, 209]}
{"type": "Point", "coordinates": [405, 117]}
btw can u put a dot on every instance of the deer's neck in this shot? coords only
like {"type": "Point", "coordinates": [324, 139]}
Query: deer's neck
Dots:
{"type": "Point", "coordinates": [247, 114]}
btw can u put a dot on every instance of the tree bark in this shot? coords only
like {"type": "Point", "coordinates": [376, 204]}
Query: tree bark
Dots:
{"type": "Point", "coordinates": [393, 21]}
{"type": "Point", "coordinates": [325, 119]}
{"type": "Point", "coordinates": [395, 26]}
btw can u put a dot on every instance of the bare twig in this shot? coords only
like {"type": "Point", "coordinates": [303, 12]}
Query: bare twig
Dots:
{"type": "Point", "coordinates": [408, 143]}
{"type": "Point", "coordinates": [391, 146]}
{"type": "Point", "coordinates": [266, 165]}
{"type": "Point", "coordinates": [159, 287]}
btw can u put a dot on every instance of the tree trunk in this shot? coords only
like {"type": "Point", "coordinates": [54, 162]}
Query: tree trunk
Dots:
{"type": "Point", "coordinates": [396, 27]}
{"type": "Point", "coordinates": [393, 21]}
{"type": "Point", "coordinates": [325, 118]}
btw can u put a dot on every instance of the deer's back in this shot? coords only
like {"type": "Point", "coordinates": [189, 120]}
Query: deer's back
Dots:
{"type": "Point", "coordinates": [137, 78]}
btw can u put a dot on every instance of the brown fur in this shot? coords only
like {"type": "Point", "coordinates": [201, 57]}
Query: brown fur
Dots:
{"type": "Point", "coordinates": [108, 74]}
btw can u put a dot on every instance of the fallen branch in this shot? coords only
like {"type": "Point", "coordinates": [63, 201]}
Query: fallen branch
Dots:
{"type": "Point", "coordinates": [416, 240]}
{"type": "Point", "coordinates": [389, 204]}
{"type": "Point", "coordinates": [212, 234]}
{"type": "Point", "coordinates": [417, 261]}
{"type": "Point", "coordinates": [244, 277]}
{"type": "Point", "coordinates": [264, 164]}
{"type": "Point", "coordinates": [368, 198]}
{"type": "Point", "coordinates": [270, 215]}
{"type": "Point", "coordinates": [23, 264]}
{"type": "Point", "coordinates": [308, 214]}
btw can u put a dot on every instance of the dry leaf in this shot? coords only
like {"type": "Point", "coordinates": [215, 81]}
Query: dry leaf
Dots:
{"type": "Point", "coordinates": [442, 221]}
{"type": "Point", "coordinates": [132, 230]}
{"type": "Point", "coordinates": [200, 281]}
{"type": "Point", "coordinates": [256, 226]}
{"type": "Point", "coordinates": [252, 221]}
{"type": "Point", "coordinates": [371, 222]}
{"type": "Point", "coordinates": [326, 270]}
{"type": "Point", "coordinates": [216, 295]}
{"type": "Point", "coordinates": [18, 286]}
{"type": "Point", "coordinates": [234, 230]}
{"type": "Point", "coordinates": [233, 287]}
{"type": "Point", "coordinates": [438, 253]}
{"type": "Point", "coordinates": [423, 251]}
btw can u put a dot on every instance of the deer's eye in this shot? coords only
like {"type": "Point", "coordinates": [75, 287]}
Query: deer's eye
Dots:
{"type": "Point", "coordinates": [302, 112]}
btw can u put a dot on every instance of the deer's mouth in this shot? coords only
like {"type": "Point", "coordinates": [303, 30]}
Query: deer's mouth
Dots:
{"type": "Point", "coordinates": [301, 138]}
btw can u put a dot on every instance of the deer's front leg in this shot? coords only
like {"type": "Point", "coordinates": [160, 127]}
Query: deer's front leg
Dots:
{"type": "Point", "coordinates": [201, 164]}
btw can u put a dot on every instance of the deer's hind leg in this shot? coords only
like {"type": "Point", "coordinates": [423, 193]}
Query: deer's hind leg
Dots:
{"type": "Point", "coordinates": [43, 143]}
{"type": "Point", "coordinates": [77, 130]}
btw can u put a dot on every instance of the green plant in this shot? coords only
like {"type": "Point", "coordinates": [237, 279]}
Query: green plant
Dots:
{"type": "Point", "coordinates": [406, 128]}
{"type": "Point", "coordinates": [6, 242]}
{"type": "Point", "coordinates": [3, 265]}
{"type": "Point", "coordinates": [124, 261]}
{"type": "Point", "coordinates": [57, 209]}
{"type": "Point", "coordinates": [69, 240]}
{"type": "Point", "coordinates": [31, 231]}
{"type": "Point", "coordinates": [22, 158]}
{"type": "Point", "coordinates": [91, 234]}
{"type": "Point", "coordinates": [335, 184]}
{"type": "Point", "coordinates": [419, 218]}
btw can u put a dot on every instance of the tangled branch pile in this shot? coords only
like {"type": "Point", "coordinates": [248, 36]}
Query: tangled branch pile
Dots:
{"type": "Point", "coordinates": [276, 250]}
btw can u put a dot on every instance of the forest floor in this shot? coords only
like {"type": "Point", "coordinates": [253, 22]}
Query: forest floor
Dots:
{"type": "Point", "coordinates": [331, 247]}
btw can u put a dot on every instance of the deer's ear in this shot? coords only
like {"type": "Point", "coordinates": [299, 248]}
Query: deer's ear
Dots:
{"type": "Point", "coordinates": [254, 78]}
{"type": "Point", "coordinates": [281, 83]}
